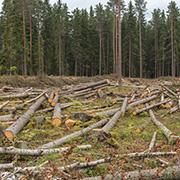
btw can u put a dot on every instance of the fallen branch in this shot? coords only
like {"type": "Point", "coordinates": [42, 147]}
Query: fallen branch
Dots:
{"type": "Point", "coordinates": [6, 166]}
{"type": "Point", "coordinates": [153, 142]}
{"type": "Point", "coordinates": [169, 134]}
{"type": "Point", "coordinates": [38, 152]}
{"type": "Point", "coordinates": [139, 111]}
{"type": "Point", "coordinates": [170, 91]}
{"type": "Point", "coordinates": [170, 173]}
{"type": "Point", "coordinates": [36, 98]}
{"type": "Point", "coordinates": [4, 104]}
{"type": "Point", "coordinates": [23, 120]}
{"type": "Point", "coordinates": [70, 137]}
{"type": "Point", "coordinates": [136, 103]}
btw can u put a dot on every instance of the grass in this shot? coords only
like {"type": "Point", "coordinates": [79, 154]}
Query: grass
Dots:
{"type": "Point", "coordinates": [131, 134]}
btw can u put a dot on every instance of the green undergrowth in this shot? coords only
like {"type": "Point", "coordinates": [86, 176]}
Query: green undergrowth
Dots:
{"type": "Point", "coordinates": [131, 134]}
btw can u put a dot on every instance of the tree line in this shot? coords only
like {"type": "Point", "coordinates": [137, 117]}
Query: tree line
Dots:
{"type": "Point", "coordinates": [37, 38]}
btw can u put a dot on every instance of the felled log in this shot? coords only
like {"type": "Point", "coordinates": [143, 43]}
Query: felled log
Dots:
{"type": "Point", "coordinates": [24, 119]}
{"type": "Point", "coordinates": [70, 137]}
{"type": "Point", "coordinates": [92, 85]}
{"type": "Point", "coordinates": [4, 104]}
{"type": "Point", "coordinates": [8, 117]}
{"type": "Point", "coordinates": [55, 99]}
{"type": "Point", "coordinates": [56, 119]}
{"type": "Point", "coordinates": [50, 99]}
{"type": "Point", "coordinates": [6, 166]}
{"type": "Point", "coordinates": [38, 152]}
{"type": "Point", "coordinates": [139, 111]}
{"type": "Point", "coordinates": [153, 142]}
{"type": "Point", "coordinates": [36, 98]}
{"type": "Point", "coordinates": [168, 134]}
{"type": "Point", "coordinates": [136, 103]}
{"type": "Point", "coordinates": [169, 173]}
{"type": "Point", "coordinates": [14, 109]}
{"type": "Point", "coordinates": [170, 91]}
{"type": "Point", "coordinates": [115, 118]}
{"type": "Point", "coordinates": [63, 106]}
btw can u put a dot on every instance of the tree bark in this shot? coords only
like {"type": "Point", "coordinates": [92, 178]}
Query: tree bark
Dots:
{"type": "Point", "coordinates": [115, 118]}
{"type": "Point", "coordinates": [56, 119]}
{"type": "Point", "coordinates": [23, 120]}
{"type": "Point", "coordinates": [70, 137]}
{"type": "Point", "coordinates": [169, 134]}
{"type": "Point", "coordinates": [169, 173]}
{"type": "Point", "coordinates": [139, 111]}
{"type": "Point", "coordinates": [38, 152]}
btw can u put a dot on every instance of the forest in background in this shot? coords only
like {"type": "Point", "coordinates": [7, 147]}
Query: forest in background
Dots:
{"type": "Point", "coordinates": [37, 38]}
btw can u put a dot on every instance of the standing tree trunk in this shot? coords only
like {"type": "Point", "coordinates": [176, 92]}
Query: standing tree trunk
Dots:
{"type": "Point", "coordinates": [100, 51]}
{"type": "Point", "coordinates": [24, 39]}
{"type": "Point", "coordinates": [30, 42]}
{"type": "Point", "coordinates": [173, 66]}
{"type": "Point", "coordinates": [140, 48]}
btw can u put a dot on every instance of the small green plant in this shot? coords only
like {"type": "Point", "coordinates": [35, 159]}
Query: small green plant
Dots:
{"type": "Point", "coordinates": [13, 70]}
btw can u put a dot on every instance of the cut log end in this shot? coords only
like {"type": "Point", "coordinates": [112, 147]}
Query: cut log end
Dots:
{"type": "Point", "coordinates": [9, 134]}
{"type": "Point", "coordinates": [53, 104]}
{"type": "Point", "coordinates": [56, 122]}
{"type": "Point", "coordinates": [50, 100]}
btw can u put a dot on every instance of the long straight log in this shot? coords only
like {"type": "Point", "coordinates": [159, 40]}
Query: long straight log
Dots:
{"type": "Point", "coordinates": [6, 166]}
{"type": "Point", "coordinates": [170, 91]}
{"type": "Point", "coordinates": [63, 106]}
{"type": "Point", "coordinates": [56, 119]}
{"type": "Point", "coordinates": [38, 152]}
{"type": "Point", "coordinates": [91, 85]}
{"type": "Point", "coordinates": [168, 134]}
{"type": "Point", "coordinates": [24, 119]}
{"type": "Point", "coordinates": [70, 137]}
{"type": "Point", "coordinates": [78, 165]}
{"type": "Point", "coordinates": [115, 118]}
{"type": "Point", "coordinates": [136, 103]}
{"type": "Point", "coordinates": [169, 173]}
{"type": "Point", "coordinates": [139, 111]}
{"type": "Point", "coordinates": [5, 118]}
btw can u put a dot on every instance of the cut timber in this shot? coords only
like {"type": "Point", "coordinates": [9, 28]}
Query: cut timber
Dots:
{"type": "Point", "coordinates": [8, 117]}
{"type": "Point", "coordinates": [170, 91]}
{"type": "Point", "coordinates": [3, 105]}
{"type": "Point", "coordinates": [24, 119]}
{"type": "Point", "coordinates": [169, 173]}
{"type": "Point", "coordinates": [6, 166]}
{"type": "Point", "coordinates": [63, 106]}
{"type": "Point", "coordinates": [169, 134]}
{"type": "Point", "coordinates": [153, 142]}
{"type": "Point", "coordinates": [136, 103]}
{"type": "Point", "coordinates": [55, 99]}
{"type": "Point", "coordinates": [51, 97]}
{"type": "Point", "coordinates": [92, 85]}
{"type": "Point", "coordinates": [56, 119]}
{"type": "Point", "coordinates": [115, 118]}
{"type": "Point", "coordinates": [36, 98]}
{"type": "Point", "coordinates": [38, 152]}
{"type": "Point", "coordinates": [139, 111]}
{"type": "Point", "coordinates": [70, 137]}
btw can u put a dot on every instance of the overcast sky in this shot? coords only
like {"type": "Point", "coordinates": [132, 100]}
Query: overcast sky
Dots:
{"type": "Point", "coordinates": [72, 4]}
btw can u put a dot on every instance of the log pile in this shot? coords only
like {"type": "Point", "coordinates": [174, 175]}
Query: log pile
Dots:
{"type": "Point", "coordinates": [57, 108]}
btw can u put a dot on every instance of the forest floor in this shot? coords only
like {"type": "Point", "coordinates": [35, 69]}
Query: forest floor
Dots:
{"type": "Point", "coordinates": [130, 134]}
